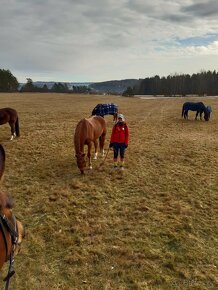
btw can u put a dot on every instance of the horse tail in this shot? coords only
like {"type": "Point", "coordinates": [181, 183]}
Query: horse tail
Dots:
{"type": "Point", "coordinates": [17, 127]}
{"type": "Point", "coordinates": [183, 111]}
{"type": "Point", "coordinates": [2, 161]}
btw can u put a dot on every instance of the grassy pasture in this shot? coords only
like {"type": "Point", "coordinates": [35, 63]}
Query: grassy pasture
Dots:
{"type": "Point", "coordinates": [153, 226]}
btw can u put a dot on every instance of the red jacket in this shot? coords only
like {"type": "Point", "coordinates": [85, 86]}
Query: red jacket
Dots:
{"type": "Point", "coordinates": [120, 134]}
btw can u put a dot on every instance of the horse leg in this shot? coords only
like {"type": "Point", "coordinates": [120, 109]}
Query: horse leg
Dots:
{"type": "Point", "coordinates": [201, 115]}
{"type": "Point", "coordinates": [12, 125]}
{"type": "Point", "coordinates": [196, 117]}
{"type": "Point", "coordinates": [101, 143]}
{"type": "Point", "coordinates": [96, 149]}
{"type": "Point", "coordinates": [89, 154]}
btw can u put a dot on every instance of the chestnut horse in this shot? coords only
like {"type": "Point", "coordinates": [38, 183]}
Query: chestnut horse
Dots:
{"type": "Point", "coordinates": [86, 132]}
{"type": "Point", "coordinates": [10, 116]}
{"type": "Point", "coordinates": [11, 230]}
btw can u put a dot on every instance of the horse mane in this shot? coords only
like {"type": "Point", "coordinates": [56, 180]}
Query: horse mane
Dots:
{"type": "Point", "coordinates": [6, 201]}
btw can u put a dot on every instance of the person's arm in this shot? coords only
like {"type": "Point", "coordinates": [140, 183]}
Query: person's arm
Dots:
{"type": "Point", "coordinates": [127, 136]}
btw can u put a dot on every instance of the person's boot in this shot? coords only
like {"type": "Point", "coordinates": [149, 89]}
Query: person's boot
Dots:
{"type": "Point", "coordinates": [122, 165]}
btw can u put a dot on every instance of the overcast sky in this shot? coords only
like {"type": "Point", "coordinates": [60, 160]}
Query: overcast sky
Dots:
{"type": "Point", "coordinates": [100, 40]}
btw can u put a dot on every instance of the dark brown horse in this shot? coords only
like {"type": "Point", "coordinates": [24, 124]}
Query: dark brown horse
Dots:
{"type": "Point", "coordinates": [11, 230]}
{"type": "Point", "coordinates": [87, 132]}
{"type": "Point", "coordinates": [10, 116]}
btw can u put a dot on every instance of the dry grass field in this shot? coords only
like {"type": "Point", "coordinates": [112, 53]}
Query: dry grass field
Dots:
{"type": "Point", "coordinates": [151, 226]}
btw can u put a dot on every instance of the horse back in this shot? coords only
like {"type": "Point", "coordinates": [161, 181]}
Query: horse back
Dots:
{"type": "Point", "coordinates": [105, 109]}
{"type": "Point", "coordinates": [96, 126]}
{"type": "Point", "coordinates": [193, 106]}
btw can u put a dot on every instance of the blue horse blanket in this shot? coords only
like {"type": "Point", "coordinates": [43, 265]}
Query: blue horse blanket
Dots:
{"type": "Point", "coordinates": [105, 109]}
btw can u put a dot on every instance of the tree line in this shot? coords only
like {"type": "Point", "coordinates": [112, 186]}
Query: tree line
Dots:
{"type": "Point", "coordinates": [56, 88]}
{"type": "Point", "coordinates": [203, 83]}
{"type": "Point", "coordinates": [9, 83]}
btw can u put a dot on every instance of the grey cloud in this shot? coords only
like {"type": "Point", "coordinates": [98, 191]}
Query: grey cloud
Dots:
{"type": "Point", "coordinates": [76, 35]}
{"type": "Point", "coordinates": [202, 9]}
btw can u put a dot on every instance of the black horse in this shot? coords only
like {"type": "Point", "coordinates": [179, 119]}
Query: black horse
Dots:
{"type": "Point", "coordinates": [199, 107]}
{"type": "Point", "coordinates": [105, 109]}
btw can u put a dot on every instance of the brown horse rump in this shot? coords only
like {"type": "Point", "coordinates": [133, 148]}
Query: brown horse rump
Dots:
{"type": "Point", "coordinates": [10, 116]}
{"type": "Point", "coordinates": [89, 129]}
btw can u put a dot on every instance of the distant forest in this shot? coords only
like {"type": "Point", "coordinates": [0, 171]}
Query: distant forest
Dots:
{"type": "Point", "coordinates": [55, 88]}
{"type": "Point", "coordinates": [203, 83]}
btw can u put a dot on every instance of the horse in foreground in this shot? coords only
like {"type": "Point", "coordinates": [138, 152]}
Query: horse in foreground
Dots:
{"type": "Point", "coordinates": [199, 108]}
{"type": "Point", "coordinates": [87, 132]}
{"type": "Point", "coordinates": [11, 230]}
{"type": "Point", "coordinates": [106, 109]}
{"type": "Point", "coordinates": [9, 115]}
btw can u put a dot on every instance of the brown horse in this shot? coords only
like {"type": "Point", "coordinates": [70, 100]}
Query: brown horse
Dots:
{"type": "Point", "coordinates": [10, 116]}
{"type": "Point", "coordinates": [11, 230]}
{"type": "Point", "coordinates": [88, 131]}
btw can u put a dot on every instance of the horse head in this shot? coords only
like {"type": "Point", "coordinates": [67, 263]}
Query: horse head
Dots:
{"type": "Point", "coordinates": [81, 162]}
{"type": "Point", "coordinates": [207, 113]}
{"type": "Point", "coordinates": [13, 232]}
{"type": "Point", "coordinates": [209, 109]}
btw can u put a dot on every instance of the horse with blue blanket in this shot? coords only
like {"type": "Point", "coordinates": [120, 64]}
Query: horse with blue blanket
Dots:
{"type": "Point", "coordinates": [105, 109]}
{"type": "Point", "coordinates": [199, 108]}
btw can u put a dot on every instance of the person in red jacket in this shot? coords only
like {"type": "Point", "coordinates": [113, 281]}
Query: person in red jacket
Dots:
{"type": "Point", "coordinates": [119, 140]}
